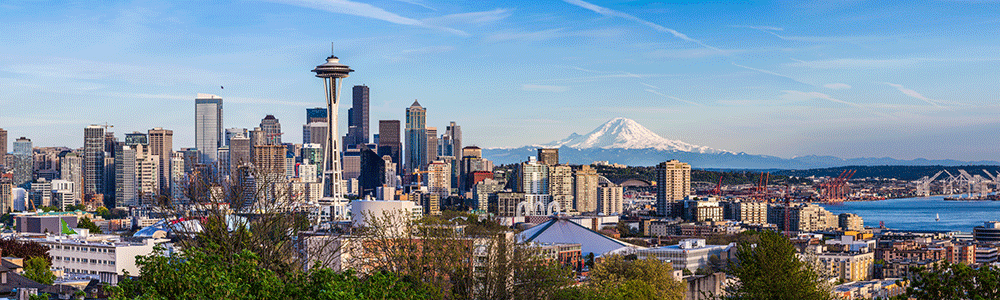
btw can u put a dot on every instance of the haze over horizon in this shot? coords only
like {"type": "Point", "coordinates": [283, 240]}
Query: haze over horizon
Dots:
{"type": "Point", "coordinates": [847, 79]}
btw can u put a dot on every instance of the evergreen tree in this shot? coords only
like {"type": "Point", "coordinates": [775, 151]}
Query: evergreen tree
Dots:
{"type": "Point", "coordinates": [770, 269]}
{"type": "Point", "coordinates": [37, 269]}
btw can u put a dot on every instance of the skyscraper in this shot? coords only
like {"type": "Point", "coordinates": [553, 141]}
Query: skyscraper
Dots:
{"type": "Point", "coordinates": [416, 137]}
{"type": "Point", "coordinates": [161, 143]}
{"type": "Point", "coordinates": [208, 127]}
{"type": "Point", "coordinates": [125, 177]}
{"type": "Point", "coordinates": [93, 159]}
{"type": "Point", "coordinates": [360, 117]}
{"type": "Point", "coordinates": [314, 133]}
{"type": "Point", "coordinates": [71, 169]}
{"type": "Point", "coordinates": [231, 132]}
{"type": "Point", "coordinates": [23, 163]}
{"type": "Point", "coordinates": [333, 73]}
{"type": "Point", "coordinates": [432, 145]}
{"type": "Point", "coordinates": [673, 183]}
{"type": "Point", "coordinates": [372, 172]}
{"type": "Point", "coordinates": [239, 152]}
{"type": "Point", "coordinates": [315, 115]}
{"type": "Point", "coordinates": [272, 130]}
{"type": "Point", "coordinates": [455, 132]}
{"type": "Point", "coordinates": [389, 142]}
{"type": "Point", "coordinates": [3, 145]}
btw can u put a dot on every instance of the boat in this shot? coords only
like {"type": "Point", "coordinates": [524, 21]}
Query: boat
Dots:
{"type": "Point", "coordinates": [937, 217]}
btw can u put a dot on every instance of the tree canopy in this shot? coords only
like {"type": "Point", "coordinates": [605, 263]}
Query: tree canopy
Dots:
{"type": "Point", "coordinates": [770, 269]}
{"type": "Point", "coordinates": [37, 269]}
{"type": "Point", "coordinates": [955, 281]}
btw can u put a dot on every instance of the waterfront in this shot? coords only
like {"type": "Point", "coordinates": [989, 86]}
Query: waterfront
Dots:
{"type": "Point", "coordinates": [919, 213]}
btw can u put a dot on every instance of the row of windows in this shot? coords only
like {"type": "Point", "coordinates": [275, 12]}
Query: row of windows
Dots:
{"type": "Point", "coordinates": [83, 260]}
{"type": "Point", "coordinates": [83, 249]}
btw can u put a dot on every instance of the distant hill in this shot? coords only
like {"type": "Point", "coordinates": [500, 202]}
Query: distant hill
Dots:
{"type": "Point", "coordinates": [625, 141]}
{"type": "Point", "coordinates": [897, 172]}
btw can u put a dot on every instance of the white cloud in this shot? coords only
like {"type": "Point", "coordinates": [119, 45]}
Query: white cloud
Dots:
{"type": "Point", "coordinates": [401, 55]}
{"type": "Point", "coordinates": [837, 86]}
{"type": "Point", "coordinates": [418, 3]}
{"type": "Point", "coordinates": [802, 96]}
{"type": "Point", "coordinates": [766, 28]}
{"type": "Point", "coordinates": [614, 13]}
{"type": "Point", "coordinates": [913, 94]}
{"type": "Point", "coordinates": [771, 73]}
{"type": "Point", "coordinates": [544, 88]}
{"type": "Point", "coordinates": [672, 97]}
{"type": "Point", "coordinates": [851, 63]}
{"type": "Point", "coordinates": [479, 17]}
{"type": "Point", "coordinates": [549, 34]}
{"type": "Point", "coordinates": [365, 10]}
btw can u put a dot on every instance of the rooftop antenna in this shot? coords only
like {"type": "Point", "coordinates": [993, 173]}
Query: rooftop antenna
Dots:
{"type": "Point", "coordinates": [331, 48]}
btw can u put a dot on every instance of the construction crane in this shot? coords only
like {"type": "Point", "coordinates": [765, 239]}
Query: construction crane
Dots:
{"type": "Point", "coordinates": [718, 188]}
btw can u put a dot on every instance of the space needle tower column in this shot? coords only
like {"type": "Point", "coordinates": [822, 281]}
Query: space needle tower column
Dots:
{"type": "Point", "coordinates": [333, 73]}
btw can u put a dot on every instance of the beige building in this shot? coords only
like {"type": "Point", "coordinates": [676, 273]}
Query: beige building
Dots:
{"type": "Point", "coordinates": [609, 197]}
{"type": "Point", "coordinates": [849, 221]}
{"type": "Point", "coordinates": [673, 183]}
{"type": "Point", "coordinates": [269, 159]}
{"type": "Point", "coordinates": [147, 174]}
{"type": "Point", "coordinates": [161, 144]}
{"type": "Point", "coordinates": [439, 178]}
{"type": "Point", "coordinates": [561, 184]}
{"type": "Point", "coordinates": [585, 189]}
{"type": "Point", "coordinates": [507, 203]}
{"type": "Point", "coordinates": [750, 212]}
{"type": "Point", "coordinates": [848, 266]}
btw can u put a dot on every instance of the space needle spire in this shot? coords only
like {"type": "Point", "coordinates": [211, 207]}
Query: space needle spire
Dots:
{"type": "Point", "coordinates": [333, 72]}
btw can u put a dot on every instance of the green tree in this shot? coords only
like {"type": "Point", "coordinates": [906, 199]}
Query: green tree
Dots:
{"type": "Point", "coordinates": [37, 269]}
{"type": "Point", "coordinates": [86, 223]}
{"type": "Point", "coordinates": [619, 278]}
{"type": "Point", "coordinates": [770, 269]}
{"type": "Point", "coordinates": [955, 281]}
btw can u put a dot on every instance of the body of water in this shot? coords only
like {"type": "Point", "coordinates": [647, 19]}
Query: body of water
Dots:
{"type": "Point", "coordinates": [919, 213]}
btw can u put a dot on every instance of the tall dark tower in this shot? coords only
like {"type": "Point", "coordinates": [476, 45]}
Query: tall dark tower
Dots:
{"type": "Point", "coordinates": [361, 114]}
{"type": "Point", "coordinates": [333, 73]}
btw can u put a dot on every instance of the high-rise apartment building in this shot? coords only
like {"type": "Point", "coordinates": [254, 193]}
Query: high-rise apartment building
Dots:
{"type": "Point", "coordinates": [439, 178]}
{"type": "Point", "coordinates": [272, 130]}
{"type": "Point", "coordinates": [609, 197]}
{"type": "Point", "coordinates": [161, 144]}
{"type": "Point", "coordinates": [455, 132]}
{"type": "Point", "coordinates": [269, 159]}
{"type": "Point", "coordinates": [472, 162]}
{"type": "Point", "coordinates": [147, 174]}
{"type": "Point", "coordinates": [23, 163]}
{"type": "Point", "coordinates": [533, 181]}
{"type": "Point", "coordinates": [71, 169]}
{"type": "Point", "coordinates": [673, 183]}
{"type": "Point", "coordinates": [239, 152]}
{"type": "Point", "coordinates": [548, 156]}
{"type": "Point", "coordinates": [561, 185]}
{"type": "Point", "coordinates": [416, 137]}
{"type": "Point", "coordinates": [6, 197]}
{"type": "Point", "coordinates": [208, 127]}
{"type": "Point", "coordinates": [93, 159]}
{"type": "Point", "coordinates": [585, 189]}
{"type": "Point", "coordinates": [314, 133]}
{"type": "Point", "coordinates": [352, 163]}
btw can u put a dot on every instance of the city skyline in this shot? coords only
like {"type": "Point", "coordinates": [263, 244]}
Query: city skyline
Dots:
{"type": "Point", "coordinates": [780, 79]}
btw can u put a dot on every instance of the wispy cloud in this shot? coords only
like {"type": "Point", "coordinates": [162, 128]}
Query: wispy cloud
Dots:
{"type": "Point", "coordinates": [408, 53]}
{"type": "Point", "coordinates": [672, 97]}
{"type": "Point", "coordinates": [852, 63]}
{"type": "Point", "coordinates": [79, 69]}
{"type": "Point", "coordinates": [614, 13]}
{"type": "Point", "coordinates": [913, 94]}
{"type": "Point", "coordinates": [367, 11]}
{"type": "Point", "coordinates": [837, 86]}
{"type": "Point", "coordinates": [803, 96]}
{"type": "Point", "coordinates": [479, 17]}
{"type": "Point", "coordinates": [772, 73]}
{"type": "Point", "coordinates": [544, 88]}
{"type": "Point", "coordinates": [418, 3]}
{"type": "Point", "coordinates": [549, 34]}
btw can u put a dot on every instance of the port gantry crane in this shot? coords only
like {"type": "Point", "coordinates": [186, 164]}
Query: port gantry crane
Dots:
{"type": "Point", "coordinates": [834, 190]}
{"type": "Point", "coordinates": [924, 184]}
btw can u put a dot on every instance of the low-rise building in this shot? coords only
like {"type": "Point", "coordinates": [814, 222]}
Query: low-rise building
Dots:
{"type": "Point", "coordinates": [848, 266]}
{"type": "Point", "coordinates": [690, 254]}
{"type": "Point", "coordinates": [103, 256]}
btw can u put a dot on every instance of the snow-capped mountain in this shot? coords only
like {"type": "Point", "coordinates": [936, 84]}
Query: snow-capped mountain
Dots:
{"type": "Point", "coordinates": [623, 133]}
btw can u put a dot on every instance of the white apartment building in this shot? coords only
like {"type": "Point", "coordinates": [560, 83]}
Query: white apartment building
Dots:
{"type": "Point", "coordinates": [104, 256]}
{"type": "Point", "coordinates": [691, 254]}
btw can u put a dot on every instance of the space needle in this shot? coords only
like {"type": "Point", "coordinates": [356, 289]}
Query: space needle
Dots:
{"type": "Point", "coordinates": [333, 72]}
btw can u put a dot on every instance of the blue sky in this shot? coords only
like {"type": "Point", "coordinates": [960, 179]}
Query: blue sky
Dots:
{"type": "Point", "coordinates": [787, 78]}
